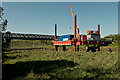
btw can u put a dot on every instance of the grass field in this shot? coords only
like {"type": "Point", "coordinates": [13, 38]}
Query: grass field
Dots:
{"type": "Point", "coordinates": [38, 60]}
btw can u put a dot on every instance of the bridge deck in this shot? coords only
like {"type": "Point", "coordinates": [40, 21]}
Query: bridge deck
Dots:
{"type": "Point", "coordinates": [27, 36]}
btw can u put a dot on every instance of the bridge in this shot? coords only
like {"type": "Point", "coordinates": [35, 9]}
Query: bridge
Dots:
{"type": "Point", "coordinates": [22, 36]}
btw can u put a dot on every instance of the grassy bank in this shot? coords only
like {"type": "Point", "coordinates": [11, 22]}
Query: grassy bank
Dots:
{"type": "Point", "coordinates": [38, 60]}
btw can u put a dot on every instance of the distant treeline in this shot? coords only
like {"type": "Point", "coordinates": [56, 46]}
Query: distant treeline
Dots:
{"type": "Point", "coordinates": [115, 37]}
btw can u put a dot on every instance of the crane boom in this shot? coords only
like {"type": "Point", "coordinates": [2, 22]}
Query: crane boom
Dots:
{"type": "Point", "coordinates": [72, 13]}
{"type": "Point", "coordinates": [77, 30]}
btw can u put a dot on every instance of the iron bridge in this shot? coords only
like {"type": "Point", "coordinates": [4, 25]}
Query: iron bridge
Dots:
{"type": "Point", "coordinates": [21, 36]}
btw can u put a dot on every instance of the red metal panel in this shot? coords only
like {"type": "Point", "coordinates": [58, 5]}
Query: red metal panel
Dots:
{"type": "Point", "coordinates": [77, 42]}
{"type": "Point", "coordinates": [56, 39]}
{"type": "Point", "coordinates": [62, 43]}
{"type": "Point", "coordinates": [92, 42]}
{"type": "Point", "coordinates": [91, 32]}
{"type": "Point", "coordinates": [88, 31]}
{"type": "Point", "coordinates": [98, 32]}
{"type": "Point", "coordinates": [83, 37]}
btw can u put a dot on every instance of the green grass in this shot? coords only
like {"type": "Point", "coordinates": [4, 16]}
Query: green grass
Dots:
{"type": "Point", "coordinates": [113, 45]}
{"type": "Point", "coordinates": [45, 63]}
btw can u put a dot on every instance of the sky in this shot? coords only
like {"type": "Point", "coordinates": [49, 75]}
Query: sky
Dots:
{"type": "Point", "coordinates": [40, 17]}
{"type": "Point", "coordinates": [60, 0]}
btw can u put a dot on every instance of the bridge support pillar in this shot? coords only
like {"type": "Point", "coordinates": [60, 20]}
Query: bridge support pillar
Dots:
{"type": "Point", "coordinates": [56, 48]}
{"type": "Point", "coordinates": [3, 44]}
{"type": "Point", "coordinates": [8, 44]}
{"type": "Point", "coordinates": [64, 48]}
{"type": "Point", "coordinates": [98, 47]}
{"type": "Point", "coordinates": [74, 48]}
{"type": "Point", "coordinates": [77, 47]}
{"type": "Point", "coordinates": [75, 25]}
{"type": "Point", "coordinates": [87, 48]}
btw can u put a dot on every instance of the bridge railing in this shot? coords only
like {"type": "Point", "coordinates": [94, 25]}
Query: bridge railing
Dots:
{"type": "Point", "coordinates": [27, 36]}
